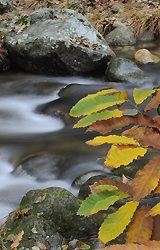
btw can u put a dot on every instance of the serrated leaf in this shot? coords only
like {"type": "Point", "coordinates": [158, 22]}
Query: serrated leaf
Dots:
{"type": "Point", "coordinates": [107, 126]}
{"type": "Point", "coordinates": [95, 102]}
{"type": "Point", "coordinates": [116, 222]}
{"type": "Point", "coordinates": [155, 233]}
{"type": "Point", "coordinates": [120, 185]}
{"type": "Point", "coordinates": [155, 101]}
{"type": "Point", "coordinates": [149, 245]}
{"type": "Point", "coordinates": [99, 201]}
{"type": "Point", "coordinates": [157, 189]}
{"type": "Point", "coordinates": [155, 210]}
{"type": "Point", "coordinates": [141, 95]}
{"type": "Point", "coordinates": [112, 139]}
{"type": "Point", "coordinates": [104, 115]}
{"type": "Point", "coordinates": [145, 136]}
{"type": "Point", "coordinates": [146, 179]}
{"type": "Point", "coordinates": [122, 156]}
{"type": "Point", "coordinates": [106, 188]}
{"type": "Point", "coordinates": [141, 227]}
{"type": "Point", "coordinates": [122, 95]}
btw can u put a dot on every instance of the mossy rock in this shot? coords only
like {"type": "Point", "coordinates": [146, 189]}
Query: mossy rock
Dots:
{"type": "Point", "coordinates": [47, 216]}
{"type": "Point", "coordinates": [37, 231]}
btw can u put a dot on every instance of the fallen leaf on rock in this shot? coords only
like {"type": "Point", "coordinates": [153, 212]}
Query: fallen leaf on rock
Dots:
{"type": "Point", "coordinates": [40, 199]}
{"type": "Point", "coordinates": [17, 240]}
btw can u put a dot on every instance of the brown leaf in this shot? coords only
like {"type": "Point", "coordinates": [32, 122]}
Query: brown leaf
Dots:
{"type": "Point", "coordinates": [145, 136]}
{"type": "Point", "coordinates": [146, 179]}
{"type": "Point", "coordinates": [149, 245]}
{"type": "Point", "coordinates": [120, 185]}
{"type": "Point", "coordinates": [157, 189]}
{"type": "Point", "coordinates": [155, 101]}
{"type": "Point", "coordinates": [40, 199]}
{"type": "Point", "coordinates": [107, 126]}
{"type": "Point", "coordinates": [17, 240]}
{"type": "Point", "coordinates": [140, 229]}
{"type": "Point", "coordinates": [156, 228]}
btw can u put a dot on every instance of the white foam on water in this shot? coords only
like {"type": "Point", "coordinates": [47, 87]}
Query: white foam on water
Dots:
{"type": "Point", "coordinates": [13, 188]}
{"type": "Point", "coordinates": [18, 116]}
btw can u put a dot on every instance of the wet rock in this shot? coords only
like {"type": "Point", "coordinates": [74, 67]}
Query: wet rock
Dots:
{"type": "Point", "coordinates": [69, 95]}
{"type": "Point", "coordinates": [144, 56]}
{"type": "Point", "coordinates": [58, 42]}
{"type": "Point", "coordinates": [123, 69]}
{"type": "Point", "coordinates": [47, 217]}
{"type": "Point", "coordinates": [4, 62]}
{"type": "Point", "coordinates": [121, 36]}
{"type": "Point", "coordinates": [37, 232]}
{"type": "Point", "coordinates": [60, 206]}
{"type": "Point", "coordinates": [44, 167]}
{"type": "Point", "coordinates": [5, 5]}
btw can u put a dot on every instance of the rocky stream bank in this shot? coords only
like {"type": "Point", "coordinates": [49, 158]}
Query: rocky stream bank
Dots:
{"type": "Point", "coordinates": [62, 42]}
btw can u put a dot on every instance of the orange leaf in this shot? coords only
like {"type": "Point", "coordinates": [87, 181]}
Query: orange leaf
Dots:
{"type": "Point", "coordinates": [145, 136]}
{"type": "Point", "coordinates": [141, 227]}
{"type": "Point", "coordinates": [146, 179]}
{"type": "Point", "coordinates": [157, 189]}
{"type": "Point", "coordinates": [120, 185]}
{"type": "Point", "coordinates": [155, 101]}
{"type": "Point", "coordinates": [156, 228]}
{"type": "Point", "coordinates": [17, 240]}
{"type": "Point", "coordinates": [107, 126]}
{"type": "Point", "coordinates": [149, 245]}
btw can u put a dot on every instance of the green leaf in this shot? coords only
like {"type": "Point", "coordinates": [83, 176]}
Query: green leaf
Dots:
{"type": "Point", "coordinates": [106, 188]}
{"type": "Point", "coordinates": [100, 201]}
{"type": "Point", "coordinates": [141, 95]}
{"type": "Point", "coordinates": [116, 222]}
{"type": "Point", "coordinates": [95, 102]}
{"type": "Point", "coordinates": [104, 115]}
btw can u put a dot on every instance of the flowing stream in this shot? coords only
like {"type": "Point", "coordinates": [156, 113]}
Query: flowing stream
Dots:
{"type": "Point", "coordinates": [56, 155]}
{"type": "Point", "coordinates": [38, 150]}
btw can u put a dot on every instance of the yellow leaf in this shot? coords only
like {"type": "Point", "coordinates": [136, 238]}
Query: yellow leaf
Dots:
{"type": "Point", "coordinates": [116, 222]}
{"type": "Point", "coordinates": [122, 156]}
{"type": "Point", "coordinates": [112, 139]}
{"type": "Point", "coordinates": [141, 227]}
{"type": "Point", "coordinates": [141, 95]}
{"type": "Point", "coordinates": [146, 179]}
{"type": "Point", "coordinates": [122, 95]}
{"type": "Point", "coordinates": [155, 210]}
{"type": "Point", "coordinates": [149, 245]}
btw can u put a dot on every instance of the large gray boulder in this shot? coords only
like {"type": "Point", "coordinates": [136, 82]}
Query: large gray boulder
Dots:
{"type": "Point", "coordinates": [58, 42]}
{"type": "Point", "coordinates": [5, 5]}
{"type": "Point", "coordinates": [123, 70]}
{"type": "Point", "coordinates": [121, 36]}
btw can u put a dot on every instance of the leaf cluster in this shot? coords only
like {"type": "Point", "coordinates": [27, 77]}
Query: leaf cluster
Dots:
{"type": "Point", "coordinates": [131, 133]}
